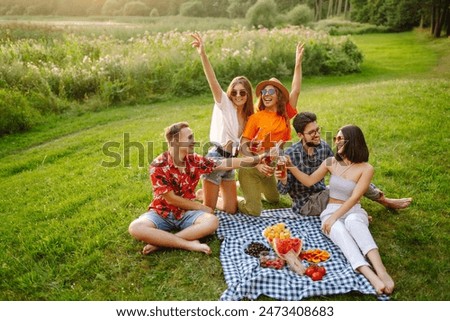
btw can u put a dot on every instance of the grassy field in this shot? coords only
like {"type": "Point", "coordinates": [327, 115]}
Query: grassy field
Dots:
{"type": "Point", "coordinates": [65, 216]}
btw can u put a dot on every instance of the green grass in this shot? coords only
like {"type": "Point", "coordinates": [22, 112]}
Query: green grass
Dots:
{"type": "Point", "coordinates": [65, 217]}
{"type": "Point", "coordinates": [387, 58]}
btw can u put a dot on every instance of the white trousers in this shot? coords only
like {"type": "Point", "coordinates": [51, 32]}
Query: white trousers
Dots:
{"type": "Point", "coordinates": [351, 233]}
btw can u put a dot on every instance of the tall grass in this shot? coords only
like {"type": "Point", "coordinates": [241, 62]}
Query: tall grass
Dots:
{"type": "Point", "coordinates": [65, 217]}
{"type": "Point", "coordinates": [56, 71]}
{"type": "Point", "coordinates": [125, 27]}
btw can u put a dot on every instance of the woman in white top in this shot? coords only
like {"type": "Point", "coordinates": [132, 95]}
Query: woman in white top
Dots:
{"type": "Point", "coordinates": [344, 220]}
{"type": "Point", "coordinates": [230, 114]}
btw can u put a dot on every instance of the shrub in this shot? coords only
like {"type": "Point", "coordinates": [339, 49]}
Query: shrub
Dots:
{"type": "Point", "coordinates": [17, 114]}
{"type": "Point", "coordinates": [337, 26]}
{"type": "Point", "coordinates": [300, 15]}
{"type": "Point", "coordinates": [136, 8]}
{"type": "Point", "coordinates": [341, 60]}
{"type": "Point", "coordinates": [314, 53]}
{"type": "Point", "coordinates": [154, 13]}
{"type": "Point", "coordinates": [238, 8]}
{"type": "Point", "coordinates": [111, 7]}
{"type": "Point", "coordinates": [78, 84]}
{"type": "Point", "coordinates": [263, 13]}
{"type": "Point", "coordinates": [193, 9]}
{"type": "Point", "coordinates": [45, 103]}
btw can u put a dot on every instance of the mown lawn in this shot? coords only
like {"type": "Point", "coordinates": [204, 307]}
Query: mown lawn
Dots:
{"type": "Point", "coordinates": [65, 214]}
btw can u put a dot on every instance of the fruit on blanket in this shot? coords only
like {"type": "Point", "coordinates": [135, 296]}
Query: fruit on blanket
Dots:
{"type": "Point", "coordinates": [289, 249]}
{"type": "Point", "coordinates": [275, 264]}
{"type": "Point", "coordinates": [310, 270]}
{"type": "Point", "coordinates": [315, 255]}
{"type": "Point", "coordinates": [283, 246]}
{"type": "Point", "coordinates": [255, 248]}
{"type": "Point", "coordinates": [268, 260]}
{"type": "Point", "coordinates": [321, 270]}
{"type": "Point", "coordinates": [278, 230]}
{"type": "Point", "coordinates": [317, 276]}
{"type": "Point", "coordinates": [316, 272]}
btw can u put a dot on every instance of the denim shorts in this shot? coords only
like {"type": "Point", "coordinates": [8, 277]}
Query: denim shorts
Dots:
{"type": "Point", "coordinates": [170, 223]}
{"type": "Point", "coordinates": [216, 177]}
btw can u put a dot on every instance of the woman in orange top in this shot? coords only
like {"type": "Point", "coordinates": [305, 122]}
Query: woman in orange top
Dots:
{"type": "Point", "coordinates": [276, 106]}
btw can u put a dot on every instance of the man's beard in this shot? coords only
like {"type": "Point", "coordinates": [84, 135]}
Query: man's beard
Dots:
{"type": "Point", "coordinates": [312, 144]}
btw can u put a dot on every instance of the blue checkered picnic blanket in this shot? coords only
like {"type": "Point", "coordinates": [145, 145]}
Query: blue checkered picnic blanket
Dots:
{"type": "Point", "coordinates": [246, 279]}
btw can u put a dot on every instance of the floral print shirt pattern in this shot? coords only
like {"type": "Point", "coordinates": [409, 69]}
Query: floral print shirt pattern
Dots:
{"type": "Point", "coordinates": [166, 177]}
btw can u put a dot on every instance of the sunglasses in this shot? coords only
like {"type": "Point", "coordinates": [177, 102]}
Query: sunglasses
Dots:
{"type": "Point", "coordinates": [241, 93]}
{"type": "Point", "coordinates": [338, 139]}
{"type": "Point", "coordinates": [270, 91]}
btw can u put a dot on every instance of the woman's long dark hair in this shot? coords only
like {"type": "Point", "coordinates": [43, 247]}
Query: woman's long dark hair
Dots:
{"type": "Point", "coordinates": [355, 148]}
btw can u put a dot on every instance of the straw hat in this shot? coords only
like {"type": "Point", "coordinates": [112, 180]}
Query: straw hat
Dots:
{"type": "Point", "coordinates": [274, 82]}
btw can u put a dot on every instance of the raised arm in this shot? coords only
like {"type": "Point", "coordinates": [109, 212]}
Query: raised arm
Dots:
{"type": "Point", "coordinates": [297, 79]}
{"type": "Point", "coordinates": [207, 67]}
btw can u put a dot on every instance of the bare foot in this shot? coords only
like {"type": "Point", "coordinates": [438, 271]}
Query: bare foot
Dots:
{"type": "Point", "coordinates": [194, 245]}
{"type": "Point", "coordinates": [388, 282]}
{"type": "Point", "coordinates": [200, 247]}
{"type": "Point", "coordinates": [373, 278]}
{"type": "Point", "coordinates": [380, 288]}
{"type": "Point", "coordinates": [378, 285]}
{"type": "Point", "coordinates": [394, 203]}
{"type": "Point", "coordinates": [199, 195]}
{"type": "Point", "coordinates": [149, 248]}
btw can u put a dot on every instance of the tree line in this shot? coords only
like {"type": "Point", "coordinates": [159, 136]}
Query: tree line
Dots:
{"type": "Point", "coordinates": [403, 15]}
{"type": "Point", "coordinates": [399, 15]}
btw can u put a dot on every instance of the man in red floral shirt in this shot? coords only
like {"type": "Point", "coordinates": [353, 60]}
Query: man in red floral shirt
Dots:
{"type": "Point", "coordinates": [175, 175]}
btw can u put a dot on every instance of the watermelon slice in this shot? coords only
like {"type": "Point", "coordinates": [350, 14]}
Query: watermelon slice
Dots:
{"type": "Point", "coordinates": [288, 250]}
{"type": "Point", "coordinates": [283, 246]}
